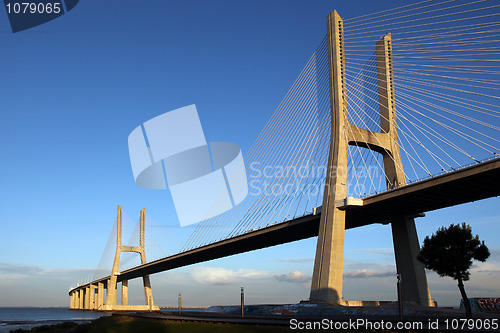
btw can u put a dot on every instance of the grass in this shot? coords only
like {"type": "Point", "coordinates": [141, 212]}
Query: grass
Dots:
{"type": "Point", "coordinates": [126, 324]}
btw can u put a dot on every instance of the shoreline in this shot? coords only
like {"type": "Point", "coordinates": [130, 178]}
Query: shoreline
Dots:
{"type": "Point", "coordinates": [273, 316]}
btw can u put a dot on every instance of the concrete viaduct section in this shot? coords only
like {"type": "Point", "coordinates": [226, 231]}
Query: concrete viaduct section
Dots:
{"type": "Point", "coordinates": [449, 189]}
{"type": "Point", "coordinates": [91, 296]}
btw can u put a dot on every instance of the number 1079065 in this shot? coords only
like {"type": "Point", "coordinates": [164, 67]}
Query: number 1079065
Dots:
{"type": "Point", "coordinates": [33, 8]}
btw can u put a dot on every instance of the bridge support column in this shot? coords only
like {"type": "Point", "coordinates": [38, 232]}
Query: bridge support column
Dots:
{"type": "Point", "coordinates": [125, 292]}
{"type": "Point", "coordinates": [111, 303]}
{"type": "Point", "coordinates": [75, 300]}
{"type": "Point", "coordinates": [404, 233]}
{"type": "Point", "coordinates": [329, 261]}
{"type": "Point", "coordinates": [111, 293]}
{"type": "Point", "coordinates": [148, 295]}
{"type": "Point", "coordinates": [328, 265]}
{"type": "Point", "coordinates": [80, 299]}
{"type": "Point", "coordinates": [100, 295]}
{"type": "Point", "coordinates": [406, 249]}
{"type": "Point", "coordinates": [93, 297]}
{"type": "Point", "coordinates": [87, 298]}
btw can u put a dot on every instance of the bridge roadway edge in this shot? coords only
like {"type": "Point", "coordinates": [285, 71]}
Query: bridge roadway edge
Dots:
{"type": "Point", "coordinates": [476, 182]}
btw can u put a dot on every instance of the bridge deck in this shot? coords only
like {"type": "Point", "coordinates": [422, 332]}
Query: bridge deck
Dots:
{"type": "Point", "coordinates": [473, 183]}
{"type": "Point", "coordinates": [476, 182]}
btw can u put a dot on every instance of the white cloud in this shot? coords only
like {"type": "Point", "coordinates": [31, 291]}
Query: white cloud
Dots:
{"type": "Point", "coordinates": [486, 267]}
{"type": "Point", "coordinates": [297, 260]}
{"type": "Point", "coordinates": [24, 285]}
{"type": "Point", "coordinates": [224, 276]}
{"type": "Point", "coordinates": [383, 251]}
{"type": "Point", "coordinates": [11, 271]}
{"type": "Point", "coordinates": [295, 276]}
{"type": "Point", "coordinates": [365, 273]}
{"type": "Point", "coordinates": [14, 269]}
{"type": "Point", "coordinates": [494, 255]}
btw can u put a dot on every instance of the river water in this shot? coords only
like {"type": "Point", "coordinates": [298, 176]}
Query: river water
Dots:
{"type": "Point", "coordinates": [27, 318]}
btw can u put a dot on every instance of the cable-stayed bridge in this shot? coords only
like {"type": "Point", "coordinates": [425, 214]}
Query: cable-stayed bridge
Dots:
{"type": "Point", "coordinates": [395, 114]}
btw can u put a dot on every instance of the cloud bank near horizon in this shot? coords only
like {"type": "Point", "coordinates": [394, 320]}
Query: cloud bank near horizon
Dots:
{"type": "Point", "coordinates": [31, 285]}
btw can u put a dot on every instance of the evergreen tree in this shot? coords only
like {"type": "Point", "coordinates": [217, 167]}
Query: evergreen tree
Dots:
{"type": "Point", "coordinates": [450, 251]}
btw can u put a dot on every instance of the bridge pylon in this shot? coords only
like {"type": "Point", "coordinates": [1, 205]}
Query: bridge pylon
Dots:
{"type": "Point", "coordinates": [327, 278]}
{"type": "Point", "coordinates": [112, 283]}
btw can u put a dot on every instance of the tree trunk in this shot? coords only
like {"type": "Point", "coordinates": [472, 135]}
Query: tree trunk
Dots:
{"type": "Point", "coordinates": [468, 311]}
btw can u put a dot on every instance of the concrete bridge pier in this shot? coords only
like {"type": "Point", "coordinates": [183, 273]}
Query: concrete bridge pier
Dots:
{"type": "Point", "coordinates": [327, 280]}
{"type": "Point", "coordinates": [125, 292]}
{"type": "Point", "coordinates": [80, 298]}
{"type": "Point", "coordinates": [87, 298]}
{"type": "Point", "coordinates": [406, 249]}
{"type": "Point", "coordinates": [100, 295]}
{"type": "Point", "coordinates": [76, 299]}
{"type": "Point", "coordinates": [93, 296]}
{"type": "Point", "coordinates": [111, 293]}
{"type": "Point", "coordinates": [112, 282]}
{"type": "Point", "coordinates": [326, 283]}
{"type": "Point", "coordinates": [72, 300]}
{"type": "Point", "coordinates": [148, 294]}
{"type": "Point", "coordinates": [404, 232]}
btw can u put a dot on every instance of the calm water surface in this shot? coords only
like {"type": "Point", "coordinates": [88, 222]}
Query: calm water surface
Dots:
{"type": "Point", "coordinates": [26, 318]}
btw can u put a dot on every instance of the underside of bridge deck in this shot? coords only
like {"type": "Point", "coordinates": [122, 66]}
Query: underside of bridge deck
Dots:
{"type": "Point", "coordinates": [479, 181]}
{"type": "Point", "coordinates": [473, 183]}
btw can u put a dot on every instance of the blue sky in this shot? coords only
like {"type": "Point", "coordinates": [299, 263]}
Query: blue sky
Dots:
{"type": "Point", "coordinates": [74, 88]}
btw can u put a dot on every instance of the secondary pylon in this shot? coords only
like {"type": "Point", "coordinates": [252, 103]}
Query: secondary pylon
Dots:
{"type": "Point", "coordinates": [112, 285]}
{"type": "Point", "coordinates": [327, 278]}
